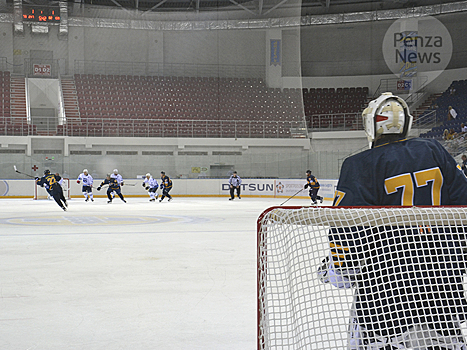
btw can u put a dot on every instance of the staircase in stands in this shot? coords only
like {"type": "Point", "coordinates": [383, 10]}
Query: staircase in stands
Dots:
{"type": "Point", "coordinates": [70, 99]}
{"type": "Point", "coordinates": [18, 99]}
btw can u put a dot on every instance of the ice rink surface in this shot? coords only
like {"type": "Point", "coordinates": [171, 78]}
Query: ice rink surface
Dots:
{"type": "Point", "coordinates": [141, 275]}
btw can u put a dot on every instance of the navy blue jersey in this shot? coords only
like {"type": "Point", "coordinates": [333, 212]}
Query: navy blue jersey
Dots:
{"type": "Point", "coordinates": [312, 182]}
{"type": "Point", "coordinates": [113, 184]}
{"type": "Point", "coordinates": [166, 182]}
{"type": "Point", "coordinates": [406, 172]}
{"type": "Point", "coordinates": [50, 181]}
{"type": "Point", "coordinates": [410, 275]}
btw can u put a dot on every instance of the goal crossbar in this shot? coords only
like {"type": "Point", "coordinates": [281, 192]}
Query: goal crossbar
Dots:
{"type": "Point", "coordinates": [372, 216]}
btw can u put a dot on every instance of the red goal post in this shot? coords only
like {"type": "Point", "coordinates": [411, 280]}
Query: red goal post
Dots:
{"type": "Point", "coordinates": [41, 193]}
{"type": "Point", "coordinates": [295, 309]}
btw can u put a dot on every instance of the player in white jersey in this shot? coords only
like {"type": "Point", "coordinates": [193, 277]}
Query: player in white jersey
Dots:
{"type": "Point", "coordinates": [118, 177]}
{"type": "Point", "coordinates": [151, 185]}
{"type": "Point", "coordinates": [87, 181]}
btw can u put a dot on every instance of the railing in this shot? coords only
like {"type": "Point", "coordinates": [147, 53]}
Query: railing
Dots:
{"type": "Point", "coordinates": [169, 69]}
{"type": "Point", "coordinates": [104, 127]}
{"type": "Point", "coordinates": [13, 127]}
{"type": "Point", "coordinates": [456, 146]}
{"type": "Point", "coordinates": [28, 101]}
{"type": "Point", "coordinates": [61, 103]}
{"type": "Point", "coordinates": [386, 85]}
{"type": "Point", "coordinates": [335, 122]}
{"type": "Point", "coordinates": [426, 121]}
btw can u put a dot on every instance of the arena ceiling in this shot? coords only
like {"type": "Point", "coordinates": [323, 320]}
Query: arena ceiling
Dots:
{"type": "Point", "coordinates": [254, 7]}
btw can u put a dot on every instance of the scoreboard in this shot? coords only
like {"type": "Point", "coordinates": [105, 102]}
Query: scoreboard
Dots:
{"type": "Point", "coordinates": [44, 14]}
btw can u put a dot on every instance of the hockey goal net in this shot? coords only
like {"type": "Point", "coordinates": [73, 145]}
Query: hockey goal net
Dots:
{"type": "Point", "coordinates": [41, 192]}
{"type": "Point", "coordinates": [388, 269]}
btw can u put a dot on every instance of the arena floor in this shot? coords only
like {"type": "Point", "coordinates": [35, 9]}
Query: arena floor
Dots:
{"type": "Point", "coordinates": [141, 275]}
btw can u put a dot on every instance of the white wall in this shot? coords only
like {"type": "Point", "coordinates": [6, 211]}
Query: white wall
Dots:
{"type": "Point", "coordinates": [277, 158]}
{"type": "Point", "coordinates": [43, 93]}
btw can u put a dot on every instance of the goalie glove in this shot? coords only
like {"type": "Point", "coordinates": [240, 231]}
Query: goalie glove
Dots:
{"type": "Point", "coordinates": [328, 274]}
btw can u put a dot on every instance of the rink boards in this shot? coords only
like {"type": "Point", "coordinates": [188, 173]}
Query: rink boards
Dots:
{"type": "Point", "coordinates": [274, 188]}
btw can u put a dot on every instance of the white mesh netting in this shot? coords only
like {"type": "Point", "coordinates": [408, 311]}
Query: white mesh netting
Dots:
{"type": "Point", "coordinates": [405, 268]}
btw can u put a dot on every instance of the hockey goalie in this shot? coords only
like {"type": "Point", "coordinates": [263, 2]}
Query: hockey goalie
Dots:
{"type": "Point", "coordinates": [408, 281]}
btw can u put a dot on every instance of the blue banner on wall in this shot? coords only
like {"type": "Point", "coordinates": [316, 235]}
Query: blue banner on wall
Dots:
{"type": "Point", "coordinates": [275, 52]}
{"type": "Point", "coordinates": [407, 54]}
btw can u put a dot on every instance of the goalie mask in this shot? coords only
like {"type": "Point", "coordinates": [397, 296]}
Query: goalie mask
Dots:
{"type": "Point", "coordinates": [387, 115]}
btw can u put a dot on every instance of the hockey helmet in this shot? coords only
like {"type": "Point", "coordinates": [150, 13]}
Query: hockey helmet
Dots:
{"type": "Point", "coordinates": [308, 172]}
{"type": "Point", "coordinates": [115, 171]}
{"type": "Point", "coordinates": [386, 115]}
{"type": "Point", "coordinates": [85, 171]}
{"type": "Point", "coordinates": [148, 175]}
{"type": "Point", "coordinates": [46, 172]}
{"type": "Point", "coordinates": [162, 172]}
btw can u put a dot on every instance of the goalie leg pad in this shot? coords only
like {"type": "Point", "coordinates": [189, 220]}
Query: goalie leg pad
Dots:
{"type": "Point", "coordinates": [419, 337]}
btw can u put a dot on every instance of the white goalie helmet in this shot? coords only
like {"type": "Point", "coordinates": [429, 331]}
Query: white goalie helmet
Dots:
{"type": "Point", "coordinates": [85, 171]}
{"type": "Point", "coordinates": [115, 171]}
{"type": "Point", "coordinates": [148, 175]}
{"type": "Point", "coordinates": [387, 115]}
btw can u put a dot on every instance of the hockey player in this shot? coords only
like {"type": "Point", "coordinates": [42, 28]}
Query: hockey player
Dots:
{"type": "Point", "coordinates": [151, 185]}
{"type": "Point", "coordinates": [118, 177]}
{"type": "Point", "coordinates": [53, 185]}
{"type": "Point", "coordinates": [113, 187]}
{"type": "Point", "coordinates": [408, 282]}
{"type": "Point", "coordinates": [166, 186]}
{"type": "Point", "coordinates": [234, 182]}
{"type": "Point", "coordinates": [314, 186]}
{"type": "Point", "coordinates": [87, 181]}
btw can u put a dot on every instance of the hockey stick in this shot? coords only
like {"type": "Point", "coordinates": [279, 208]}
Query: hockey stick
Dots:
{"type": "Point", "coordinates": [19, 172]}
{"type": "Point", "coordinates": [125, 184]}
{"type": "Point", "coordinates": [292, 196]}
